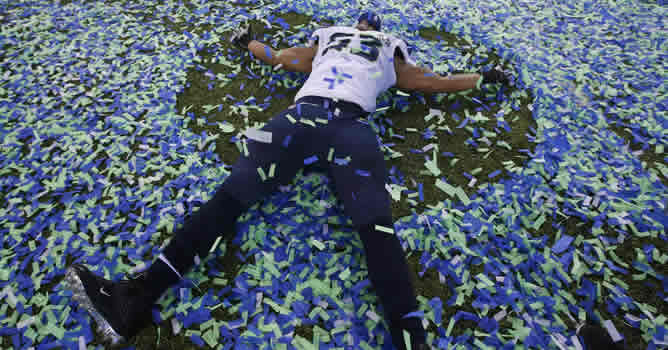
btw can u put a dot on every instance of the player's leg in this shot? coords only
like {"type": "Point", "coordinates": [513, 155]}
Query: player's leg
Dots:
{"type": "Point", "coordinates": [360, 185]}
{"type": "Point", "coordinates": [122, 309]}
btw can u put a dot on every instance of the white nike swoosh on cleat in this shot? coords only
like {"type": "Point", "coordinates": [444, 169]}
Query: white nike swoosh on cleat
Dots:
{"type": "Point", "coordinates": [103, 292]}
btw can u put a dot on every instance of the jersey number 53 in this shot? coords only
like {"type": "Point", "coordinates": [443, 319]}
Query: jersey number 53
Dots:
{"type": "Point", "coordinates": [368, 50]}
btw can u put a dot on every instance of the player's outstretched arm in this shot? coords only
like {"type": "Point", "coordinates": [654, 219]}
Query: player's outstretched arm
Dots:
{"type": "Point", "coordinates": [412, 77]}
{"type": "Point", "coordinates": [295, 59]}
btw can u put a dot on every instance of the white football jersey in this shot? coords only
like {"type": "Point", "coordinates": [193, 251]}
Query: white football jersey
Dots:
{"type": "Point", "coordinates": [353, 65]}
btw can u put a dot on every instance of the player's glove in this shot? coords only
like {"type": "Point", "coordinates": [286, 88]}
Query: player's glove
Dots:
{"type": "Point", "coordinates": [242, 36]}
{"type": "Point", "coordinates": [494, 76]}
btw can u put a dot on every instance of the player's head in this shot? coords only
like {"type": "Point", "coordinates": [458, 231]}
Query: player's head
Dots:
{"type": "Point", "coordinates": [368, 21]}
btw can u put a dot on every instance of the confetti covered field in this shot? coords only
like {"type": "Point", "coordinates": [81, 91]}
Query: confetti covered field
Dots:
{"type": "Point", "coordinates": [524, 210]}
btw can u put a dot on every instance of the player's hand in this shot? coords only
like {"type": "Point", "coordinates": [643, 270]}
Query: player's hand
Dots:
{"type": "Point", "coordinates": [496, 75]}
{"type": "Point", "coordinates": [241, 37]}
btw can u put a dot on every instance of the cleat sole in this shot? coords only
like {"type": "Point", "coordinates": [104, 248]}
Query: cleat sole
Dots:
{"type": "Point", "coordinates": [79, 295]}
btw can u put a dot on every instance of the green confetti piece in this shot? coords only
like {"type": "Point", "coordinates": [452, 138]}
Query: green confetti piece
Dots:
{"type": "Point", "coordinates": [462, 196]}
{"type": "Point", "coordinates": [215, 244]}
{"type": "Point", "coordinates": [450, 325]}
{"type": "Point", "coordinates": [384, 229]}
{"type": "Point", "coordinates": [318, 244]}
{"type": "Point", "coordinates": [330, 154]}
{"type": "Point", "coordinates": [211, 337]}
{"type": "Point", "coordinates": [290, 118]}
{"type": "Point", "coordinates": [4, 274]}
{"type": "Point", "coordinates": [262, 175]}
{"type": "Point", "coordinates": [433, 167]}
{"type": "Point", "coordinates": [307, 122]}
{"type": "Point", "coordinates": [445, 187]}
{"type": "Point", "coordinates": [407, 340]}
{"type": "Point", "coordinates": [243, 143]}
{"type": "Point", "coordinates": [272, 170]}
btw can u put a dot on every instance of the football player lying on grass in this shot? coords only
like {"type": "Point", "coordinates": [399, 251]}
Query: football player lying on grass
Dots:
{"type": "Point", "coordinates": [349, 67]}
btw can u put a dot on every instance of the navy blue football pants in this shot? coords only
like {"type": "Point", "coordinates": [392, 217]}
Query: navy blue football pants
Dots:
{"type": "Point", "coordinates": [359, 184]}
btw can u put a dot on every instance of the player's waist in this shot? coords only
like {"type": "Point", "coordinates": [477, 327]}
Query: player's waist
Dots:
{"type": "Point", "coordinates": [346, 107]}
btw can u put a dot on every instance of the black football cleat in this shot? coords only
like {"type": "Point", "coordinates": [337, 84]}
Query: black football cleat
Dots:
{"type": "Point", "coordinates": [120, 309]}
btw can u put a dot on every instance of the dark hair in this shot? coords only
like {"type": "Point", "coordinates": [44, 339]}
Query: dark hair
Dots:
{"type": "Point", "coordinates": [372, 18]}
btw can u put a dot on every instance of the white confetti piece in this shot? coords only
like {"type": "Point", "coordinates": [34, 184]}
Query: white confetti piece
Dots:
{"type": "Point", "coordinates": [82, 343]}
{"type": "Point", "coordinates": [500, 315]}
{"type": "Point", "coordinates": [559, 343]}
{"type": "Point", "coordinates": [180, 209]}
{"type": "Point", "coordinates": [543, 322]}
{"type": "Point", "coordinates": [456, 260]}
{"type": "Point", "coordinates": [372, 315]}
{"type": "Point", "coordinates": [26, 322]}
{"type": "Point", "coordinates": [576, 342]}
{"type": "Point", "coordinates": [258, 300]}
{"type": "Point", "coordinates": [586, 201]}
{"type": "Point", "coordinates": [176, 326]}
{"type": "Point", "coordinates": [258, 135]}
{"type": "Point", "coordinates": [612, 331]}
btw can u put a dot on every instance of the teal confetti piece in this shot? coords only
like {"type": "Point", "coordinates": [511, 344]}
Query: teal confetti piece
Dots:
{"type": "Point", "coordinates": [318, 244]}
{"type": "Point", "coordinates": [272, 170]}
{"type": "Point", "coordinates": [384, 229]}
{"type": "Point", "coordinates": [262, 175]}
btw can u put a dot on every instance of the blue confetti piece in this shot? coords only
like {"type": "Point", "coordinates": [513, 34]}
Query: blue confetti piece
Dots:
{"type": "Point", "coordinates": [197, 339]}
{"type": "Point", "coordinates": [286, 141]}
{"type": "Point", "coordinates": [562, 244]}
{"type": "Point", "coordinates": [463, 124]}
{"type": "Point", "coordinates": [494, 174]}
{"type": "Point", "coordinates": [310, 160]}
{"type": "Point", "coordinates": [362, 173]}
{"type": "Point", "coordinates": [418, 314]}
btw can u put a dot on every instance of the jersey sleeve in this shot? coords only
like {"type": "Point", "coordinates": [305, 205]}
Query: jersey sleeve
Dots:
{"type": "Point", "coordinates": [401, 45]}
{"type": "Point", "coordinates": [315, 37]}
